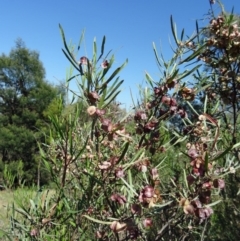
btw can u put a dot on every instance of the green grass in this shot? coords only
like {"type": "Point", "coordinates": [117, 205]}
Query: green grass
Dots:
{"type": "Point", "coordinates": [6, 200]}
{"type": "Point", "coordinates": [20, 197]}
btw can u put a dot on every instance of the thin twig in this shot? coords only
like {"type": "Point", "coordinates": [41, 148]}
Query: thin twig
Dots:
{"type": "Point", "coordinates": [204, 229]}
{"type": "Point", "coordinates": [162, 229]}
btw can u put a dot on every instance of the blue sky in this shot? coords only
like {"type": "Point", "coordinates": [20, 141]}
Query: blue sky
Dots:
{"type": "Point", "coordinates": [130, 27]}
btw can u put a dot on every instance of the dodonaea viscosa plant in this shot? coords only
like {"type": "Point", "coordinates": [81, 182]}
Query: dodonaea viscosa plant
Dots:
{"type": "Point", "coordinates": [124, 177]}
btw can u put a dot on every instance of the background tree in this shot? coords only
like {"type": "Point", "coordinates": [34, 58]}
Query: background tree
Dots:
{"type": "Point", "coordinates": [24, 96]}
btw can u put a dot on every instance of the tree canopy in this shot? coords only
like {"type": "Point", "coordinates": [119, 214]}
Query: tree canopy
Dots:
{"type": "Point", "coordinates": [25, 96]}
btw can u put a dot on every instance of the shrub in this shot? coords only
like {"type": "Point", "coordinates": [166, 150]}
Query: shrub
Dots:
{"type": "Point", "coordinates": [116, 183]}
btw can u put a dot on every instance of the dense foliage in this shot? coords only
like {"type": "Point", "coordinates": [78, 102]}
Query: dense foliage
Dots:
{"type": "Point", "coordinates": [166, 171]}
{"type": "Point", "coordinates": [24, 98]}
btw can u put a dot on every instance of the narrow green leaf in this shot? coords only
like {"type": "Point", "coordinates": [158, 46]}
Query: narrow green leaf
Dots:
{"type": "Point", "coordinates": [205, 104]}
{"type": "Point", "coordinates": [163, 205]}
{"type": "Point", "coordinates": [94, 52]}
{"type": "Point", "coordinates": [156, 55]}
{"type": "Point", "coordinates": [185, 179]}
{"type": "Point", "coordinates": [184, 192]}
{"type": "Point", "coordinates": [174, 183]}
{"type": "Point", "coordinates": [215, 108]}
{"type": "Point", "coordinates": [174, 69]}
{"type": "Point", "coordinates": [33, 205]}
{"type": "Point", "coordinates": [197, 28]}
{"type": "Point", "coordinates": [129, 186]}
{"type": "Point", "coordinates": [149, 79]}
{"type": "Point", "coordinates": [102, 48]}
{"type": "Point", "coordinates": [103, 96]}
{"type": "Point", "coordinates": [54, 120]}
{"type": "Point", "coordinates": [70, 60]}
{"type": "Point", "coordinates": [174, 31]}
{"type": "Point", "coordinates": [124, 151]}
{"type": "Point", "coordinates": [65, 45]}
{"type": "Point", "coordinates": [137, 156]}
{"type": "Point", "coordinates": [132, 98]}
{"type": "Point", "coordinates": [130, 194]}
{"type": "Point", "coordinates": [73, 77]}
{"type": "Point", "coordinates": [114, 90]}
{"type": "Point", "coordinates": [203, 88]}
{"type": "Point", "coordinates": [81, 38]}
{"type": "Point", "coordinates": [222, 154]}
{"type": "Point", "coordinates": [96, 220]}
{"type": "Point", "coordinates": [42, 153]}
{"type": "Point", "coordinates": [160, 163]}
{"type": "Point", "coordinates": [89, 76]}
{"type": "Point", "coordinates": [236, 145]}
{"type": "Point", "coordinates": [238, 193]}
{"type": "Point", "coordinates": [194, 54]}
{"type": "Point", "coordinates": [83, 235]}
{"type": "Point", "coordinates": [182, 34]}
{"type": "Point", "coordinates": [107, 69]}
{"type": "Point", "coordinates": [213, 204]}
{"type": "Point", "coordinates": [114, 74]}
{"type": "Point", "coordinates": [109, 89]}
{"type": "Point", "coordinates": [189, 104]}
{"type": "Point", "coordinates": [111, 99]}
{"type": "Point", "coordinates": [70, 138]}
{"type": "Point", "coordinates": [4, 235]}
{"type": "Point", "coordinates": [47, 165]}
{"type": "Point", "coordinates": [186, 73]}
{"type": "Point", "coordinates": [82, 150]}
{"type": "Point", "coordinates": [21, 211]}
